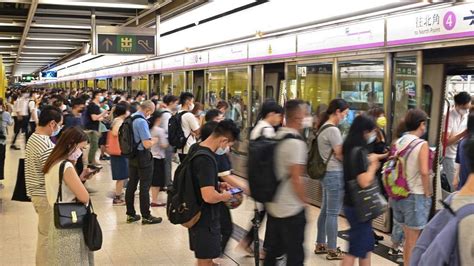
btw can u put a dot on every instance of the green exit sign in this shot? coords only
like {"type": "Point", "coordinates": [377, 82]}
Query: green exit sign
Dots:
{"type": "Point", "coordinates": [125, 41]}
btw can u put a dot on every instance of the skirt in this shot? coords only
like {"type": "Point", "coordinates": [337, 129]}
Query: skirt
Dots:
{"type": "Point", "coordinates": [159, 177]}
{"type": "Point", "coordinates": [119, 167]}
{"type": "Point", "coordinates": [67, 247]}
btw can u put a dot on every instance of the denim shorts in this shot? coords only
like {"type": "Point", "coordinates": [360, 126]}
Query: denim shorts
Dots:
{"type": "Point", "coordinates": [412, 212]}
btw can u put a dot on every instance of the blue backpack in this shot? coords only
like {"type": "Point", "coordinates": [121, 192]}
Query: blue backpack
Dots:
{"type": "Point", "coordinates": [440, 237]}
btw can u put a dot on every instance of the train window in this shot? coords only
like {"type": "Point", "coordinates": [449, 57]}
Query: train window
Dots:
{"type": "Point", "coordinates": [256, 94]}
{"type": "Point", "coordinates": [315, 85]}
{"type": "Point", "coordinates": [237, 95]}
{"type": "Point", "coordinates": [215, 87]}
{"type": "Point", "coordinates": [404, 78]}
{"type": "Point", "coordinates": [362, 83]}
{"type": "Point", "coordinates": [178, 83]}
{"type": "Point", "coordinates": [165, 84]}
{"type": "Point", "coordinates": [139, 83]}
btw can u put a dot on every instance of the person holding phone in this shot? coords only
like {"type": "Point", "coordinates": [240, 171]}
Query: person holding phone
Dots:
{"type": "Point", "coordinates": [67, 246]}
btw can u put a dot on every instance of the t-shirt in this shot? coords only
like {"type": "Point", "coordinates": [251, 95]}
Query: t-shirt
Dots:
{"type": "Point", "coordinates": [463, 160]}
{"type": "Point", "coordinates": [204, 170]}
{"type": "Point", "coordinates": [33, 111]}
{"type": "Point", "coordinates": [412, 164]}
{"type": "Point", "coordinates": [328, 139]}
{"type": "Point", "coordinates": [92, 109]}
{"type": "Point", "coordinates": [355, 163]}
{"type": "Point", "coordinates": [457, 123]}
{"type": "Point", "coordinates": [288, 152]}
{"type": "Point", "coordinates": [141, 131]}
{"type": "Point", "coordinates": [71, 121]}
{"type": "Point", "coordinates": [156, 149]}
{"type": "Point", "coordinates": [224, 165]}
{"type": "Point", "coordinates": [465, 236]}
{"type": "Point", "coordinates": [6, 121]}
{"type": "Point", "coordinates": [263, 128]}
{"type": "Point", "coordinates": [38, 149]}
{"type": "Point", "coordinates": [189, 123]}
{"type": "Point", "coordinates": [52, 184]}
{"type": "Point", "coordinates": [165, 118]}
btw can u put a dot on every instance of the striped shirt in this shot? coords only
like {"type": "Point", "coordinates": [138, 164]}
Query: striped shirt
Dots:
{"type": "Point", "coordinates": [38, 149]}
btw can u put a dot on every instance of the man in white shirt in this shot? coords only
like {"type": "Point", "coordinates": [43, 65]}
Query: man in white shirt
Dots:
{"type": "Point", "coordinates": [457, 130]}
{"type": "Point", "coordinates": [33, 112]}
{"type": "Point", "coordinates": [171, 103]}
{"type": "Point", "coordinates": [21, 109]}
{"type": "Point", "coordinates": [189, 123]}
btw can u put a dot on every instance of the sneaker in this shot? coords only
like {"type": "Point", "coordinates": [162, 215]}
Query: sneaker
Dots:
{"type": "Point", "coordinates": [320, 249]}
{"type": "Point", "coordinates": [378, 237]}
{"type": "Point", "coordinates": [335, 255]}
{"type": "Point", "coordinates": [104, 158]}
{"type": "Point", "coordinates": [152, 220]}
{"type": "Point", "coordinates": [395, 252]}
{"type": "Point", "coordinates": [133, 218]}
{"type": "Point", "coordinates": [157, 204]}
{"type": "Point", "coordinates": [118, 202]}
{"type": "Point", "coordinates": [13, 147]}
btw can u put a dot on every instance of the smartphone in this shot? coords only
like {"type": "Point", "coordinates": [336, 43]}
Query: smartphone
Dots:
{"type": "Point", "coordinates": [236, 190]}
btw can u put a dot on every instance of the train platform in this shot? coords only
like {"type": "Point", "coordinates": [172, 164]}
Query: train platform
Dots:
{"type": "Point", "coordinates": [137, 244]}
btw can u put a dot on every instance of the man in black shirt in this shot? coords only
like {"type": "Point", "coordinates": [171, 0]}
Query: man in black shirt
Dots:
{"type": "Point", "coordinates": [205, 235]}
{"type": "Point", "coordinates": [93, 118]}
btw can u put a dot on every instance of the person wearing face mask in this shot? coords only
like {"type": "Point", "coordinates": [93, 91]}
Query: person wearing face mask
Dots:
{"type": "Point", "coordinates": [158, 150]}
{"type": "Point", "coordinates": [67, 246]}
{"type": "Point", "coordinates": [37, 151]}
{"type": "Point", "coordinates": [198, 112]}
{"type": "Point", "coordinates": [413, 212]}
{"type": "Point", "coordinates": [286, 212]}
{"type": "Point", "coordinates": [21, 109]}
{"type": "Point", "coordinates": [330, 148]}
{"type": "Point", "coordinates": [189, 123]}
{"type": "Point", "coordinates": [94, 115]}
{"type": "Point", "coordinates": [361, 165]}
{"type": "Point", "coordinates": [5, 121]}
{"type": "Point", "coordinates": [141, 167]}
{"type": "Point", "coordinates": [456, 131]}
{"type": "Point", "coordinates": [205, 236]}
{"type": "Point", "coordinates": [33, 111]}
{"type": "Point", "coordinates": [170, 102]}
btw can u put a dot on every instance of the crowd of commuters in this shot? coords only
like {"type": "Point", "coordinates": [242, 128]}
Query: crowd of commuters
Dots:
{"type": "Point", "coordinates": [59, 126]}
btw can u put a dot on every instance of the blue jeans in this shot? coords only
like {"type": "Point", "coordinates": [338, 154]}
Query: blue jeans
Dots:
{"type": "Point", "coordinates": [397, 233]}
{"type": "Point", "coordinates": [412, 212]}
{"type": "Point", "coordinates": [333, 196]}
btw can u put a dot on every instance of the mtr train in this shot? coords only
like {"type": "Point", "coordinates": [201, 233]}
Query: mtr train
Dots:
{"type": "Point", "coordinates": [395, 61]}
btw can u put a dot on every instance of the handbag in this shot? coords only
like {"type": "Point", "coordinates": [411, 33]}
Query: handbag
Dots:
{"type": "Point", "coordinates": [92, 231]}
{"type": "Point", "coordinates": [112, 145]}
{"type": "Point", "coordinates": [68, 215]}
{"type": "Point", "coordinates": [369, 202]}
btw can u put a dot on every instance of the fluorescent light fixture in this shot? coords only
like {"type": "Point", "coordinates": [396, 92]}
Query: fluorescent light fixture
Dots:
{"type": "Point", "coordinates": [56, 39]}
{"type": "Point", "coordinates": [39, 53]}
{"type": "Point", "coordinates": [40, 61]}
{"type": "Point", "coordinates": [32, 57]}
{"type": "Point", "coordinates": [95, 4]}
{"type": "Point", "coordinates": [9, 46]}
{"type": "Point", "coordinates": [13, 24]}
{"type": "Point", "coordinates": [50, 47]}
{"type": "Point", "coordinates": [39, 25]}
{"type": "Point", "coordinates": [9, 38]}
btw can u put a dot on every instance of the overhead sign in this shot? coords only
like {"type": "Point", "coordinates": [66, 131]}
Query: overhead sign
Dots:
{"type": "Point", "coordinates": [273, 48]}
{"type": "Point", "coordinates": [439, 24]}
{"type": "Point", "coordinates": [196, 59]}
{"type": "Point", "coordinates": [229, 54]}
{"type": "Point", "coordinates": [125, 41]}
{"type": "Point", "coordinates": [362, 35]}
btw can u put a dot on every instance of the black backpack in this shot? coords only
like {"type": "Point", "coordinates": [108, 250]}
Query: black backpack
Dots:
{"type": "Point", "coordinates": [176, 137]}
{"type": "Point", "coordinates": [127, 143]}
{"type": "Point", "coordinates": [184, 203]}
{"type": "Point", "coordinates": [262, 178]}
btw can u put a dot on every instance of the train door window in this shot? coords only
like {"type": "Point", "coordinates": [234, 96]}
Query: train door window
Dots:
{"type": "Point", "coordinates": [256, 93]}
{"type": "Point", "coordinates": [215, 87]}
{"type": "Point", "coordinates": [289, 90]}
{"type": "Point", "coordinates": [165, 84]}
{"type": "Point", "coordinates": [361, 85]}
{"type": "Point", "coordinates": [315, 85]}
{"type": "Point", "coordinates": [237, 96]}
{"type": "Point", "coordinates": [178, 83]}
{"type": "Point", "coordinates": [189, 81]}
{"type": "Point", "coordinates": [198, 85]}
{"type": "Point", "coordinates": [404, 78]}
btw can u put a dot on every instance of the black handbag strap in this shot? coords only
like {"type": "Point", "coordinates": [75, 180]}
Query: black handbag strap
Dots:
{"type": "Point", "coordinates": [61, 174]}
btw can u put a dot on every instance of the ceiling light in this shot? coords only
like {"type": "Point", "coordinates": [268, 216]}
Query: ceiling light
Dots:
{"type": "Point", "coordinates": [13, 24]}
{"type": "Point", "coordinates": [39, 53]}
{"type": "Point", "coordinates": [94, 4]}
{"type": "Point", "coordinates": [38, 25]}
{"type": "Point", "coordinates": [56, 39]}
{"type": "Point", "coordinates": [49, 47]}
{"type": "Point", "coordinates": [9, 38]}
{"type": "Point", "coordinates": [32, 57]}
{"type": "Point", "coordinates": [9, 46]}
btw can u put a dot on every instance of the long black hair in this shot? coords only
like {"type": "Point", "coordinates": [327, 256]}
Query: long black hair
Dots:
{"type": "Point", "coordinates": [269, 106]}
{"type": "Point", "coordinates": [334, 105]}
{"type": "Point", "coordinates": [355, 137]}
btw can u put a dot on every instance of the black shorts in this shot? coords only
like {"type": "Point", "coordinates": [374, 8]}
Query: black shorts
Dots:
{"type": "Point", "coordinates": [103, 138]}
{"type": "Point", "coordinates": [158, 179]}
{"type": "Point", "coordinates": [205, 241]}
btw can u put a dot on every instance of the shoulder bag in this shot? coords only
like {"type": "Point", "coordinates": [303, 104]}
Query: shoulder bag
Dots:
{"type": "Point", "coordinates": [92, 231]}
{"type": "Point", "coordinates": [68, 215]}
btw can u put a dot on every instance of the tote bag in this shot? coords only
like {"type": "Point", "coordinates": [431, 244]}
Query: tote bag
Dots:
{"type": "Point", "coordinates": [113, 146]}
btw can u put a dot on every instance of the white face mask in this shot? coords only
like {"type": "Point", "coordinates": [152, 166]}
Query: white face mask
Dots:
{"type": "Point", "coordinates": [191, 106]}
{"type": "Point", "coordinates": [308, 122]}
{"type": "Point", "coordinates": [221, 151]}
{"type": "Point", "coordinates": [463, 111]}
{"type": "Point", "coordinates": [372, 138]}
{"type": "Point", "coordinates": [75, 155]}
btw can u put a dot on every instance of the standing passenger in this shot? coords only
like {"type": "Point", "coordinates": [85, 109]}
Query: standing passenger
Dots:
{"type": "Point", "coordinates": [286, 213]}
{"type": "Point", "coordinates": [36, 153]}
{"type": "Point", "coordinates": [462, 159]}
{"type": "Point", "coordinates": [158, 151]}
{"type": "Point", "coordinates": [457, 125]}
{"type": "Point", "coordinates": [5, 121]}
{"type": "Point", "coordinates": [330, 149]}
{"type": "Point", "coordinates": [413, 211]}
{"type": "Point", "coordinates": [171, 103]}
{"type": "Point", "coordinates": [189, 123]}
{"type": "Point", "coordinates": [94, 116]}
{"type": "Point", "coordinates": [361, 166]}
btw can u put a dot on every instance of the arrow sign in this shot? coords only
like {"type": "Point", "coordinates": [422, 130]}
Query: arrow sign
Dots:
{"type": "Point", "coordinates": [471, 18]}
{"type": "Point", "coordinates": [107, 43]}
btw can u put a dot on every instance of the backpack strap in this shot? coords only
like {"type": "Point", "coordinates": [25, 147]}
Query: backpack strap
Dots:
{"type": "Point", "coordinates": [464, 211]}
{"type": "Point", "coordinates": [317, 135]}
{"type": "Point", "coordinates": [135, 117]}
